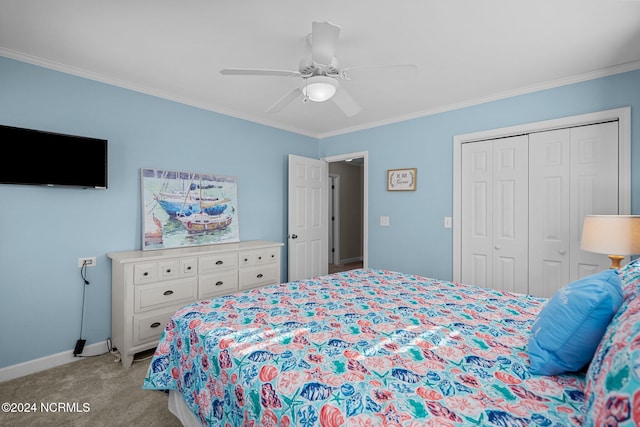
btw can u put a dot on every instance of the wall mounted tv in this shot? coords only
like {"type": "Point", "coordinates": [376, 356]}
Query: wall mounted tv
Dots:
{"type": "Point", "coordinates": [35, 157]}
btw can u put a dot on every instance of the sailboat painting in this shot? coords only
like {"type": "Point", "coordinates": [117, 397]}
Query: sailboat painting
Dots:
{"type": "Point", "coordinates": [188, 209]}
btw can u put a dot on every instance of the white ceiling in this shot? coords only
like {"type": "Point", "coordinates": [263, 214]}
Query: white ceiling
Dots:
{"type": "Point", "coordinates": [467, 51]}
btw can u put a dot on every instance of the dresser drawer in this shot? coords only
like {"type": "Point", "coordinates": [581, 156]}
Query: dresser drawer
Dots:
{"type": "Point", "coordinates": [165, 294]}
{"type": "Point", "coordinates": [149, 327]}
{"type": "Point", "coordinates": [213, 263]}
{"type": "Point", "coordinates": [168, 269]}
{"type": "Point", "coordinates": [224, 282]}
{"type": "Point", "coordinates": [145, 273]}
{"type": "Point", "coordinates": [259, 256]}
{"type": "Point", "coordinates": [188, 267]}
{"type": "Point", "coordinates": [252, 277]}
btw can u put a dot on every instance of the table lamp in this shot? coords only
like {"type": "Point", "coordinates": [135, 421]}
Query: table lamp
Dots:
{"type": "Point", "coordinates": [613, 235]}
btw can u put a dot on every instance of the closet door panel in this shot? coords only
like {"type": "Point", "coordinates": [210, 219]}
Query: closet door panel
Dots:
{"type": "Point", "coordinates": [549, 243]}
{"type": "Point", "coordinates": [476, 212]}
{"type": "Point", "coordinates": [573, 173]}
{"type": "Point", "coordinates": [594, 174]}
{"type": "Point", "coordinates": [505, 274]}
{"type": "Point", "coordinates": [511, 212]}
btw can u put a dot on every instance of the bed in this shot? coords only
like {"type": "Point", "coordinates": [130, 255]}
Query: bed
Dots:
{"type": "Point", "coordinates": [365, 347]}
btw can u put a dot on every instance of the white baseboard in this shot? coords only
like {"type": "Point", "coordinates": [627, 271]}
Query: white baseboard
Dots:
{"type": "Point", "coordinates": [46, 362]}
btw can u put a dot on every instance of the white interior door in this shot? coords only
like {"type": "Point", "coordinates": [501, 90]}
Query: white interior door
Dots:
{"type": "Point", "coordinates": [334, 219]}
{"type": "Point", "coordinates": [330, 225]}
{"type": "Point", "coordinates": [308, 233]}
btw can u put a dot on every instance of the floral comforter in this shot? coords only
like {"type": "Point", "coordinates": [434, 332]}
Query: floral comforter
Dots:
{"type": "Point", "coordinates": [362, 348]}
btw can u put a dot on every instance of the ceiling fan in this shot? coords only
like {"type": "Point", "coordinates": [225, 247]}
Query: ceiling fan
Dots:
{"type": "Point", "coordinates": [321, 75]}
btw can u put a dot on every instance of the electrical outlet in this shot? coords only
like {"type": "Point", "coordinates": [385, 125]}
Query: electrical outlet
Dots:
{"type": "Point", "coordinates": [87, 261]}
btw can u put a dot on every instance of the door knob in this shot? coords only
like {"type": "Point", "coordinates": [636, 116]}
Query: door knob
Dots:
{"type": "Point", "coordinates": [294, 236]}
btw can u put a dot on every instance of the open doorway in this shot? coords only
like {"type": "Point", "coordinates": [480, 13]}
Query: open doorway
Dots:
{"type": "Point", "coordinates": [347, 212]}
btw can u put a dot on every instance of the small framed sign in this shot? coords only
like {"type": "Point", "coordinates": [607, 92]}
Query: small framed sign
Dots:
{"type": "Point", "coordinates": [402, 179]}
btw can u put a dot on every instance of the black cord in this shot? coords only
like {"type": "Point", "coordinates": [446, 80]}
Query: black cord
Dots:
{"type": "Point", "coordinates": [83, 272]}
{"type": "Point", "coordinates": [93, 355]}
{"type": "Point", "coordinates": [83, 275]}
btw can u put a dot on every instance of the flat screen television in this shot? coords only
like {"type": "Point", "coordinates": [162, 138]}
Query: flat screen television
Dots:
{"type": "Point", "coordinates": [35, 157]}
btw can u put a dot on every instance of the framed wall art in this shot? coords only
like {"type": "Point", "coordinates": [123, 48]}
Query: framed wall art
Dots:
{"type": "Point", "coordinates": [188, 209]}
{"type": "Point", "coordinates": [402, 179]}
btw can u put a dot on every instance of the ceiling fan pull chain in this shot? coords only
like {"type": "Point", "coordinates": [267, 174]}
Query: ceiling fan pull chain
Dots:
{"type": "Point", "coordinates": [306, 91]}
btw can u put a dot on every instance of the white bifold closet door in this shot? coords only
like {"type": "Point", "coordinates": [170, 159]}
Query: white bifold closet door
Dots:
{"type": "Point", "coordinates": [523, 202]}
{"type": "Point", "coordinates": [574, 173]}
{"type": "Point", "coordinates": [495, 207]}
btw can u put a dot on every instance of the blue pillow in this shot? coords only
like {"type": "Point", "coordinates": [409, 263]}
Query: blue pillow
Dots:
{"type": "Point", "coordinates": [568, 329]}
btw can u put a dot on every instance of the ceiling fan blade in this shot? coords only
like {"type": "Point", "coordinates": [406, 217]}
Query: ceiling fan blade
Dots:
{"type": "Point", "coordinates": [324, 37]}
{"type": "Point", "coordinates": [384, 72]}
{"type": "Point", "coordinates": [346, 103]}
{"type": "Point", "coordinates": [285, 100]}
{"type": "Point", "coordinates": [258, 72]}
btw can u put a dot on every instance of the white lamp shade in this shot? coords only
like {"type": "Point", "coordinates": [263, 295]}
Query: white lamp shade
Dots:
{"type": "Point", "coordinates": [320, 88]}
{"type": "Point", "coordinates": [611, 234]}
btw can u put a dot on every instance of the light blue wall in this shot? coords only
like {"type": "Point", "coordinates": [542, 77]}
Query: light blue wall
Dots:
{"type": "Point", "coordinates": [416, 241]}
{"type": "Point", "coordinates": [43, 231]}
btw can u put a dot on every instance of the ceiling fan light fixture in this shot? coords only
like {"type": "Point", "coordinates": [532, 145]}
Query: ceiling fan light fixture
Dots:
{"type": "Point", "coordinates": [320, 88]}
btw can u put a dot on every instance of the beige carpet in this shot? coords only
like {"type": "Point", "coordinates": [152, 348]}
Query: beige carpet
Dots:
{"type": "Point", "coordinates": [335, 268]}
{"type": "Point", "coordinates": [94, 391]}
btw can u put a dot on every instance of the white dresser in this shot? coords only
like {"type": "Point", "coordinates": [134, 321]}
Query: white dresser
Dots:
{"type": "Point", "coordinates": [147, 287]}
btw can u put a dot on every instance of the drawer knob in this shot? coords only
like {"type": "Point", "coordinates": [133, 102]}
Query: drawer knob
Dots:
{"type": "Point", "coordinates": [146, 273]}
{"type": "Point", "coordinates": [259, 276]}
{"type": "Point", "coordinates": [168, 270]}
{"type": "Point", "coordinates": [188, 268]}
{"type": "Point", "coordinates": [219, 262]}
{"type": "Point", "coordinates": [155, 325]}
{"type": "Point", "coordinates": [169, 292]}
{"type": "Point", "coordinates": [219, 283]}
{"type": "Point", "coordinates": [259, 257]}
{"type": "Point", "coordinates": [246, 259]}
